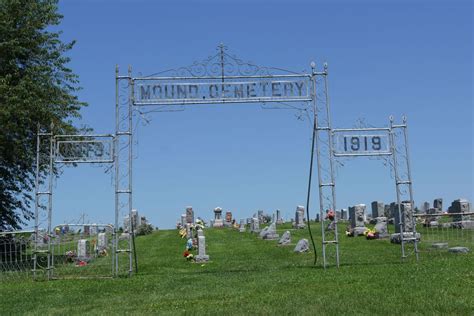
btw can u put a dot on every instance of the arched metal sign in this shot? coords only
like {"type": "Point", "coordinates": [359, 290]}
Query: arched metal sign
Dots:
{"type": "Point", "coordinates": [226, 79]}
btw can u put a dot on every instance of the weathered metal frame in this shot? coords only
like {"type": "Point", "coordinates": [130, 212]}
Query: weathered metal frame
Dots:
{"type": "Point", "coordinates": [53, 147]}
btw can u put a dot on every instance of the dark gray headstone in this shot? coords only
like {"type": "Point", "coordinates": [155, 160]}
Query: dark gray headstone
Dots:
{"type": "Point", "coordinates": [406, 219]}
{"type": "Point", "coordinates": [189, 215]}
{"type": "Point", "coordinates": [356, 216]}
{"type": "Point", "coordinates": [459, 206]}
{"type": "Point", "coordinates": [299, 217]}
{"type": "Point", "coordinates": [459, 249]}
{"type": "Point", "coordinates": [438, 204]}
{"type": "Point", "coordinates": [377, 209]}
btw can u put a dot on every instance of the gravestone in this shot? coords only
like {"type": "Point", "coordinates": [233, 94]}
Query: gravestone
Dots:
{"type": "Point", "coordinates": [459, 250]}
{"type": "Point", "coordinates": [407, 237]}
{"type": "Point", "coordinates": [426, 207]}
{"type": "Point", "coordinates": [440, 245]}
{"type": "Point", "coordinates": [381, 227]}
{"type": "Point", "coordinates": [260, 216]}
{"type": "Point", "coordinates": [279, 220]}
{"type": "Point", "coordinates": [299, 217]}
{"type": "Point", "coordinates": [200, 232]}
{"type": "Point", "coordinates": [285, 238]}
{"type": "Point", "coordinates": [344, 214]}
{"type": "Point", "coordinates": [202, 256]}
{"type": "Point", "coordinates": [218, 221]}
{"type": "Point", "coordinates": [101, 241]}
{"type": "Point", "coordinates": [302, 246]}
{"type": "Point", "coordinates": [255, 226]}
{"type": "Point", "coordinates": [438, 204]}
{"type": "Point", "coordinates": [356, 216]}
{"type": "Point", "coordinates": [431, 219]}
{"type": "Point", "coordinates": [83, 249]}
{"type": "Point", "coordinates": [228, 219]}
{"type": "Point", "coordinates": [183, 220]}
{"type": "Point", "coordinates": [407, 217]}
{"type": "Point", "coordinates": [242, 226]}
{"type": "Point", "coordinates": [263, 232]}
{"type": "Point", "coordinates": [271, 233]}
{"type": "Point", "coordinates": [459, 206]}
{"type": "Point", "coordinates": [377, 209]}
{"type": "Point", "coordinates": [189, 215]}
{"type": "Point", "coordinates": [87, 230]}
{"type": "Point", "coordinates": [189, 233]}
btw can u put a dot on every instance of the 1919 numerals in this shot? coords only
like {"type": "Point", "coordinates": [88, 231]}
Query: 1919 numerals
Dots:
{"type": "Point", "coordinates": [362, 143]}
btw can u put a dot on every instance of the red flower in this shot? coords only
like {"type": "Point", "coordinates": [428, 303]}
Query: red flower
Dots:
{"type": "Point", "coordinates": [186, 253]}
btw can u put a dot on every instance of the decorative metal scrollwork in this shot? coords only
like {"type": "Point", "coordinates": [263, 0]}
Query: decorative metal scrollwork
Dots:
{"type": "Point", "coordinates": [221, 64]}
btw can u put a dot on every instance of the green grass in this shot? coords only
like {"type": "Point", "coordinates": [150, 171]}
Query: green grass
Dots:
{"type": "Point", "coordinates": [247, 275]}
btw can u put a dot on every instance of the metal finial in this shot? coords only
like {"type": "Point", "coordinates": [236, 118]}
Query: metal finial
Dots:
{"type": "Point", "coordinates": [391, 118]}
{"type": "Point", "coordinates": [404, 118]}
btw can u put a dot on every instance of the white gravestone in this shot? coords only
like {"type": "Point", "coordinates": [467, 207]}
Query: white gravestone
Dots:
{"type": "Point", "coordinates": [202, 257]}
{"type": "Point", "coordinates": [83, 248]}
{"type": "Point", "coordinates": [255, 226]}
{"type": "Point", "coordinates": [242, 226]}
{"type": "Point", "coordinates": [381, 227]}
{"type": "Point", "coordinates": [271, 233]}
{"type": "Point", "coordinates": [302, 246]}
{"type": "Point", "coordinates": [285, 238]}
{"type": "Point", "coordinates": [101, 241]}
{"type": "Point", "coordinates": [188, 231]}
{"type": "Point", "coordinates": [218, 221]}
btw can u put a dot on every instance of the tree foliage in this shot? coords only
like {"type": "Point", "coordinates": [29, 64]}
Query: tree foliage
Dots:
{"type": "Point", "coordinates": [36, 88]}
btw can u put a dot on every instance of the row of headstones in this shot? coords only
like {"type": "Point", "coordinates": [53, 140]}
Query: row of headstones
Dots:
{"type": "Point", "coordinates": [357, 222]}
{"type": "Point", "coordinates": [201, 239]}
{"type": "Point", "coordinates": [255, 221]}
{"type": "Point", "coordinates": [229, 222]}
{"type": "Point", "coordinates": [458, 208]}
{"type": "Point", "coordinates": [270, 233]}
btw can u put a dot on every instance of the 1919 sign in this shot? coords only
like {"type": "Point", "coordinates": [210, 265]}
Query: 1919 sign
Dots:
{"type": "Point", "coordinates": [355, 143]}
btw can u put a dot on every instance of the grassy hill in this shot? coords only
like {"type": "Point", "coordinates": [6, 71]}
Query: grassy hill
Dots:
{"type": "Point", "coordinates": [247, 275]}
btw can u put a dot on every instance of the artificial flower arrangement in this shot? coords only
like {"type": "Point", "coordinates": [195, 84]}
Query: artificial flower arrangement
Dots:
{"type": "Point", "coordinates": [188, 255]}
{"type": "Point", "coordinates": [371, 234]}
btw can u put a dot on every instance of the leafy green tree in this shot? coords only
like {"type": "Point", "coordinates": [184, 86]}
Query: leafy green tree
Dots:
{"type": "Point", "coordinates": [36, 87]}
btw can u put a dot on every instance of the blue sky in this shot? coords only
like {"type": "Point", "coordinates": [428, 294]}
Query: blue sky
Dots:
{"type": "Point", "coordinates": [385, 57]}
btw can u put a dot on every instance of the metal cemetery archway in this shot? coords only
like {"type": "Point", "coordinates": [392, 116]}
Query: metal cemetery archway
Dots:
{"type": "Point", "coordinates": [226, 79]}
